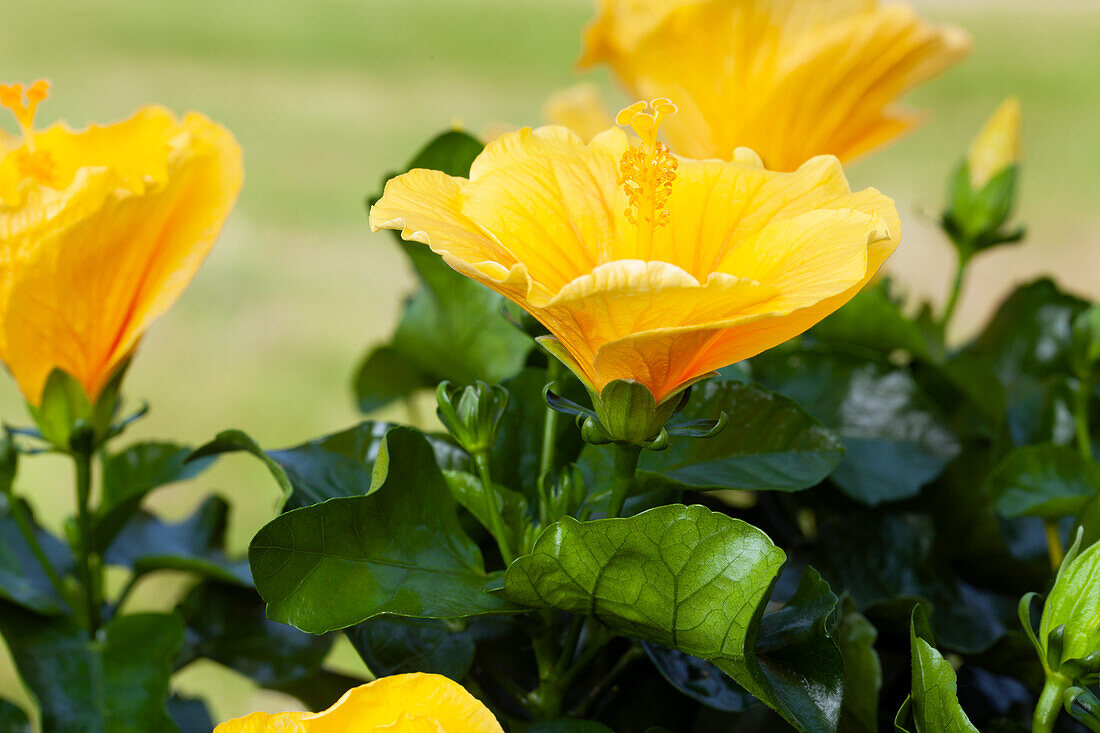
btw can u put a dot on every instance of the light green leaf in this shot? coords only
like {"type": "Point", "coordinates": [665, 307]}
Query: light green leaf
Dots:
{"type": "Point", "coordinates": [1074, 603]}
{"type": "Point", "coordinates": [934, 701]}
{"type": "Point", "coordinates": [692, 580]}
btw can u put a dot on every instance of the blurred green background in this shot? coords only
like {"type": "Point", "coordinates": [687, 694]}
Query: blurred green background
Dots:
{"type": "Point", "coordinates": [327, 95]}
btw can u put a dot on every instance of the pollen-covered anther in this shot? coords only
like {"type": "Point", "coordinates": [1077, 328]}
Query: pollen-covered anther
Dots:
{"type": "Point", "coordinates": [23, 102]}
{"type": "Point", "coordinates": [647, 170]}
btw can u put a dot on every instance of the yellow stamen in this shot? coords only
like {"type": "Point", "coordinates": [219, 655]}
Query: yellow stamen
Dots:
{"type": "Point", "coordinates": [646, 171]}
{"type": "Point", "coordinates": [37, 165]}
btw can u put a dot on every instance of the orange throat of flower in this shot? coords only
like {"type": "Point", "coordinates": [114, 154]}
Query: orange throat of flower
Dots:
{"type": "Point", "coordinates": [36, 165]}
{"type": "Point", "coordinates": [647, 170]}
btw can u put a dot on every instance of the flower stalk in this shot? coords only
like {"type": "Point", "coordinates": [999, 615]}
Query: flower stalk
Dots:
{"type": "Point", "coordinates": [622, 482]}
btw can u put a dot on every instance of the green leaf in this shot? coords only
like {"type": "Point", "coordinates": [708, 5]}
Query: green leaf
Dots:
{"type": "Point", "coordinates": [452, 327]}
{"type": "Point", "coordinates": [13, 719]}
{"type": "Point", "coordinates": [862, 671]}
{"type": "Point", "coordinates": [195, 545]}
{"type": "Point", "coordinates": [129, 476]}
{"type": "Point", "coordinates": [895, 439]}
{"type": "Point", "coordinates": [116, 683]}
{"type": "Point", "coordinates": [395, 645]}
{"type": "Point", "coordinates": [934, 702]}
{"type": "Point", "coordinates": [467, 491]}
{"type": "Point", "coordinates": [398, 551]}
{"type": "Point", "coordinates": [872, 321]}
{"type": "Point", "coordinates": [1074, 603]}
{"type": "Point", "coordinates": [1084, 707]}
{"type": "Point", "coordinates": [336, 465]}
{"type": "Point", "coordinates": [696, 581]}
{"type": "Point", "coordinates": [1049, 481]}
{"type": "Point", "coordinates": [770, 443]}
{"type": "Point", "coordinates": [887, 560]}
{"type": "Point", "coordinates": [22, 579]}
{"type": "Point", "coordinates": [699, 679]}
{"type": "Point", "coordinates": [515, 459]}
{"type": "Point", "coordinates": [226, 624]}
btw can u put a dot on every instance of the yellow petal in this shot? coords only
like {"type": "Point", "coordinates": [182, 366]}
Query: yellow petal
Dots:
{"type": "Point", "coordinates": [86, 268]}
{"type": "Point", "coordinates": [406, 703]}
{"type": "Point", "coordinates": [741, 259]}
{"type": "Point", "coordinates": [790, 79]}
{"type": "Point", "coordinates": [997, 146]}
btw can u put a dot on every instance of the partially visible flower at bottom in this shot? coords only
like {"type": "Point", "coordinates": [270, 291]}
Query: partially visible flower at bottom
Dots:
{"type": "Point", "coordinates": [404, 703]}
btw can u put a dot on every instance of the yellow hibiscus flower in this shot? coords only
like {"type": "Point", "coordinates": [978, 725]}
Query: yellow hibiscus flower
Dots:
{"type": "Point", "coordinates": [404, 703]}
{"type": "Point", "coordinates": [788, 78]}
{"type": "Point", "coordinates": [102, 229]}
{"type": "Point", "coordinates": [643, 265]}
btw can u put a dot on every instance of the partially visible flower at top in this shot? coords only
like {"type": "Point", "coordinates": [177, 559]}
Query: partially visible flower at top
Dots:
{"type": "Point", "coordinates": [997, 145]}
{"type": "Point", "coordinates": [580, 108]}
{"type": "Point", "coordinates": [645, 266]}
{"type": "Point", "coordinates": [404, 703]}
{"type": "Point", "coordinates": [102, 229]}
{"type": "Point", "coordinates": [790, 79]}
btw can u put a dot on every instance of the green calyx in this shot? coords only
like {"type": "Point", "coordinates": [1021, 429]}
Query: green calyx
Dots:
{"type": "Point", "coordinates": [472, 414]}
{"type": "Point", "coordinates": [71, 422]}
{"type": "Point", "coordinates": [975, 217]}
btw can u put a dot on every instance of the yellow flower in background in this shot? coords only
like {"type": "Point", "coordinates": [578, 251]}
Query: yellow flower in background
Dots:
{"type": "Point", "coordinates": [997, 145]}
{"type": "Point", "coordinates": [645, 266]}
{"type": "Point", "coordinates": [404, 703]}
{"type": "Point", "coordinates": [579, 108]}
{"type": "Point", "coordinates": [102, 229]}
{"type": "Point", "coordinates": [790, 79]}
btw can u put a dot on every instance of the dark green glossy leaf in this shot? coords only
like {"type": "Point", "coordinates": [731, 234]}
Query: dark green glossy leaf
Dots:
{"type": "Point", "coordinates": [129, 476]}
{"type": "Point", "coordinates": [196, 545]}
{"type": "Point", "coordinates": [398, 551]}
{"type": "Point", "coordinates": [190, 714]}
{"type": "Point", "coordinates": [395, 645]}
{"type": "Point", "coordinates": [888, 561]}
{"type": "Point", "coordinates": [336, 465]}
{"type": "Point", "coordinates": [226, 624]}
{"type": "Point", "coordinates": [1031, 332]}
{"type": "Point", "coordinates": [13, 719]}
{"type": "Point", "coordinates": [896, 441]}
{"type": "Point", "coordinates": [862, 671]}
{"type": "Point", "coordinates": [872, 321]}
{"type": "Point", "coordinates": [699, 679]}
{"type": "Point", "coordinates": [934, 703]}
{"type": "Point", "coordinates": [452, 327]}
{"type": "Point", "coordinates": [515, 459]}
{"type": "Point", "coordinates": [117, 683]}
{"type": "Point", "coordinates": [1049, 481]}
{"type": "Point", "coordinates": [22, 579]}
{"type": "Point", "coordinates": [769, 443]}
{"type": "Point", "coordinates": [696, 581]}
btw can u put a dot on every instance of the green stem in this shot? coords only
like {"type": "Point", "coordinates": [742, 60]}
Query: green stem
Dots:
{"type": "Point", "coordinates": [1084, 440]}
{"type": "Point", "coordinates": [1050, 704]}
{"type": "Point", "coordinates": [549, 428]}
{"type": "Point", "coordinates": [89, 579]}
{"type": "Point", "coordinates": [626, 464]}
{"type": "Point", "coordinates": [1054, 544]}
{"type": "Point", "coordinates": [956, 291]}
{"type": "Point", "coordinates": [545, 700]}
{"type": "Point", "coordinates": [26, 528]}
{"type": "Point", "coordinates": [600, 689]}
{"type": "Point", "coordinates": [492, 509]}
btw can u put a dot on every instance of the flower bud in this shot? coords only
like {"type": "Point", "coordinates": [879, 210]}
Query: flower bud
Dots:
{"type": "Point", "coordinates": [472, 414]}
{"type": "Point", "coordinates": [1070, 627]}
{"type": "Point", "coordinates": [983, 190]}
{"type": "Point", "coordinates": [997, 146]}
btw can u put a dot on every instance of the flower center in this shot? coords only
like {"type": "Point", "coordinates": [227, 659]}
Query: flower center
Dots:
{"type": "Point", "coordinates": [35, 164]}
{"type": "Point", "coordinates": [647, 170]}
